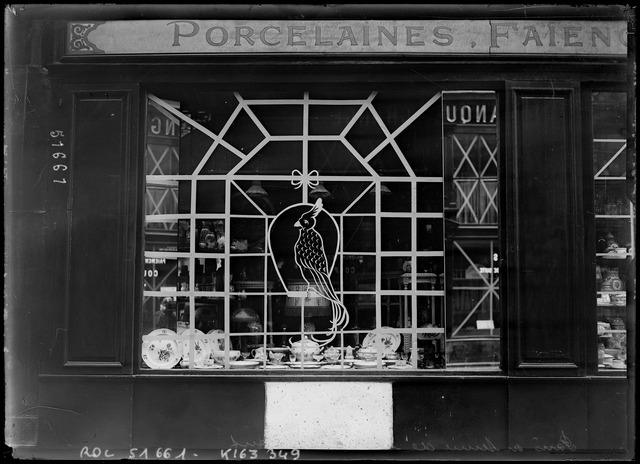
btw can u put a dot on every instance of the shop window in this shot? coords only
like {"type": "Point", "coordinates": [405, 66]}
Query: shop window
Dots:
{"type": "Point", "coordinates": [471, 188]}
{"type": "Point", "coordinates": [310, 229]}
{"type": "Point", "coordinates": [614, 227]}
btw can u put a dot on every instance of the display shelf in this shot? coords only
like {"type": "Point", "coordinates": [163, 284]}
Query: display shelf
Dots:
{"type": "Point", "coordinates": [613, 216]}
{"type": "Point", "coordinates": [614, 256]}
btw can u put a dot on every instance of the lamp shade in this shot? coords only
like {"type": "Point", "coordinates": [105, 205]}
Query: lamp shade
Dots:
{"type": "Point", "coordinates": [314, 305]}
{"type": "Point", "coordinates": [319, 191]}
{"type": "Point", "coordinates": [245, 315]}
{"type": "Point", "coordinates": [256, 190]}
{"type": "Point", "coordinates": [384, 190]}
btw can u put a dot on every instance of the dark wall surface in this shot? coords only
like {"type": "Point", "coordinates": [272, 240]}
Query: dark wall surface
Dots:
{"type": "Point", "coordinates": [432, 418]}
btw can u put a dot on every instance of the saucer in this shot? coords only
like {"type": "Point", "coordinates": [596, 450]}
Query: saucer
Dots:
{"type": "Point", "coordinates": [360, 364]}
{"type": "Point", "coordinates": [620, 365]}
{"type": "Point", "coordinates": [244, 364]}
{"type": "Point", "coordinates": [336, 367]}
{"type": "Point", "coordinates": [210, 368]}
{"type": "Point", "coordinates": [400, 367]}
{"type": "Point", "coordinates": [305, 365]}
{"type": "Point", "coordinates": [273, 366]}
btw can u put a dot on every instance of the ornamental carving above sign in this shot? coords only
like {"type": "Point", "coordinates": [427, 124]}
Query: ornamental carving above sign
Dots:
{"type": "Point", "coordinates": [408, 37]}
{"type": "Point", "coordinates": [78, 41]}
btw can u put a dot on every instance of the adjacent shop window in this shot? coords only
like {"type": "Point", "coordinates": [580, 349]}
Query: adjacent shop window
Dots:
{"type": "Point", "coordinates": [319, 228]}
{"type": "Point", "coordinates": [471, 183]}
{"type": "Point", "coordinates": [614, 225]}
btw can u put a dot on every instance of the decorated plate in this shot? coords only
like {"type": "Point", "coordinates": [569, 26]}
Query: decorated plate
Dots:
{"type": "Point", "coordinates": [390, 341]}
{"type": "Point", "coordinates": [163, 353]}
{"type": "Point", "coordinates": [219, 341]}
{"type": "Point", "coordinates": [202, 348]}
{"type": "Point", "coordinates": [246, 364]}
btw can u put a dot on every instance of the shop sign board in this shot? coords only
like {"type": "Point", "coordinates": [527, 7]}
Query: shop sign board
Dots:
{"type": "Point", "coordinates": [348, 37]}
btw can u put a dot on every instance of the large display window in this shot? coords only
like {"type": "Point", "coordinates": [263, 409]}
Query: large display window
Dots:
{"type": "Point", "coordinates": [316, 228]}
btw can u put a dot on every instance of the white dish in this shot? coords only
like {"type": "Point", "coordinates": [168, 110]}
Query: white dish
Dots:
{"type": "Point", "coordinates": [390, 341]}
{"type": "Point", "coordinates": [359, 364]}
{"type": "Point", "coordinates": [247, 364]}
{"type": "Point", "coordinates": [162, 353]}
{"type": "Point", "coordinates": [219, 341]}
{"type": "Point", "coordinates": [400, 367]}
{"type": "Point", "coordinates": [305, 365]}
{"type": "Point", "coordinates": [336, 367]}
{"type": "Point", "coordinates": [202, 348]}
{"type": "Point", "coordinates": [213, 367]}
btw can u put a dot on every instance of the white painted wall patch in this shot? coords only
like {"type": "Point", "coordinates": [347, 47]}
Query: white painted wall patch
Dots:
{"type": "Point", "coordinates": [329, 415]}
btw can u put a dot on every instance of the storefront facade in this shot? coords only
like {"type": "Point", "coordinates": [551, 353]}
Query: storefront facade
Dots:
{"type": "Point", "coordinates": [302, 232]}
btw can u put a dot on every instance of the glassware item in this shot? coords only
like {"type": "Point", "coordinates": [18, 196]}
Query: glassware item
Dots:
{"type": "Point", "coordinates": [611, 241]}
{"type": "Point", "coordinates": [598, 203]}
{"type": "Point", "coordinates": [276, 357]}
{"type": "Point", "coordinates": [332, 354]}
{"type": "Point", "coordinates": [245, 355]}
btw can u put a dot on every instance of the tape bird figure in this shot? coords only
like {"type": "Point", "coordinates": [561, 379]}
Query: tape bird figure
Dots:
{"type": "Point", "coordinates": [311, 258]}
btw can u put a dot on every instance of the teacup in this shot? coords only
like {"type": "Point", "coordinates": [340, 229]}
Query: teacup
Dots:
{"type": "Point", "coordinates": [618, 364]}
{"type": "Point", "coordinates": [219, 356]}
